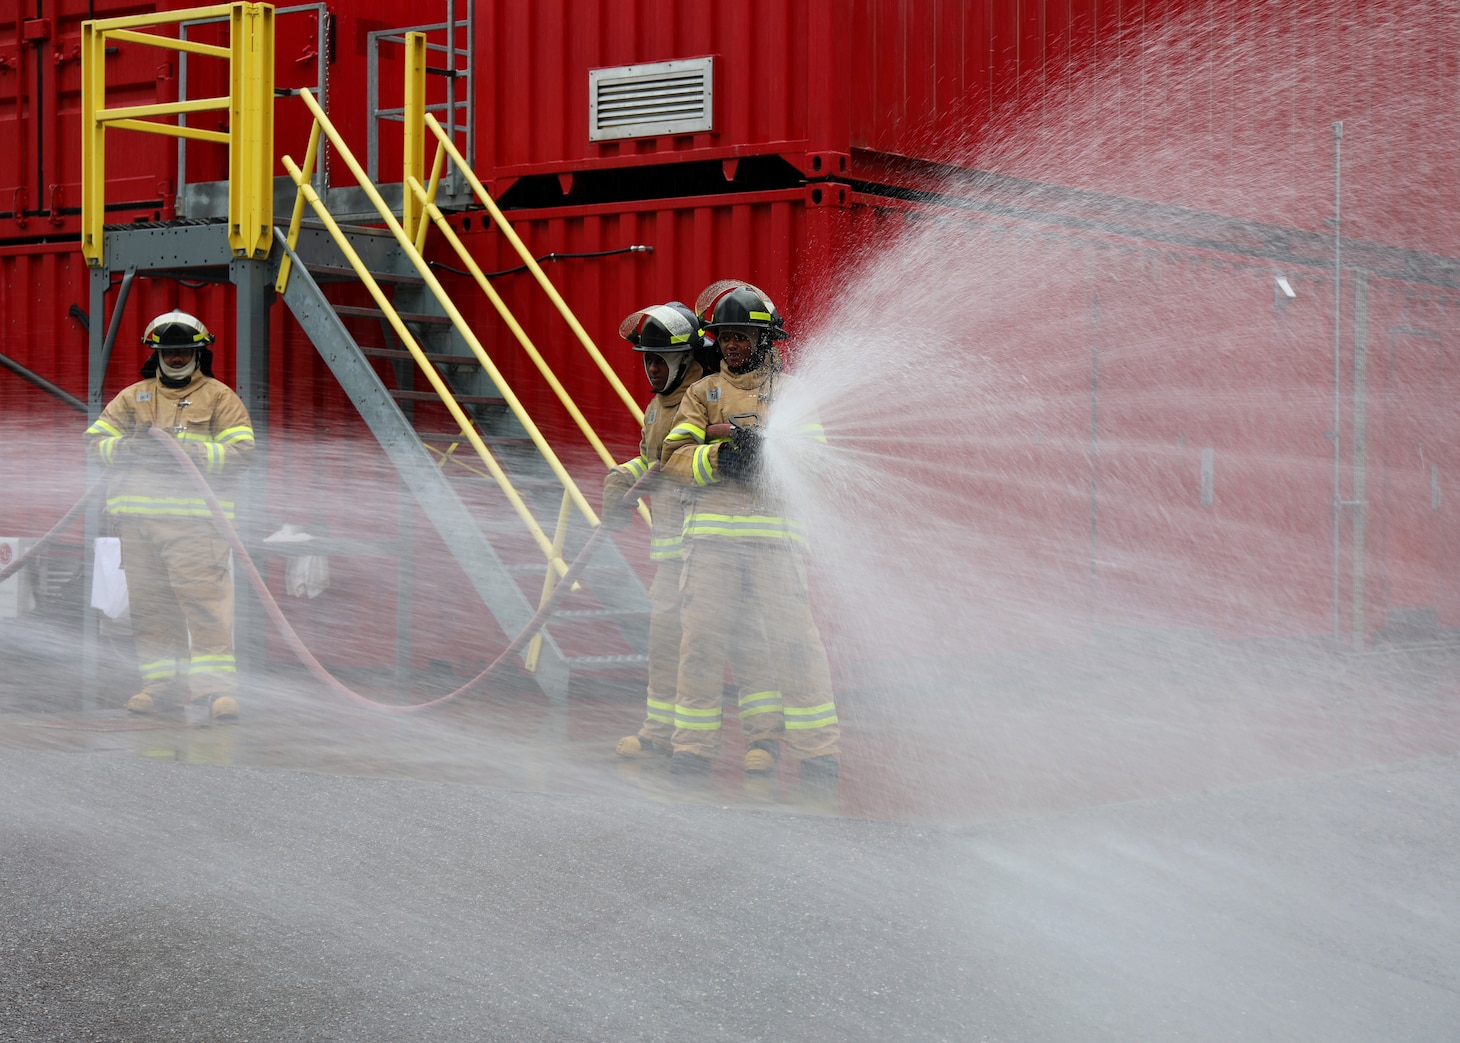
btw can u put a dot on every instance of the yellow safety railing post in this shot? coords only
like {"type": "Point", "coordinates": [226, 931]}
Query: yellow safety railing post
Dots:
{"type": "Point", "coordinates": [296, 219]}
{"type": "Point", "coordinates": [93, 143]}
{"type": "Point", "coordinates": [251, 150]}
{"type": "Point", "coordinates": [413, 160]}
{"type": "Point", "coordinates": [438, 167]}
{"type": "Point", "coordinates": [250, 105]}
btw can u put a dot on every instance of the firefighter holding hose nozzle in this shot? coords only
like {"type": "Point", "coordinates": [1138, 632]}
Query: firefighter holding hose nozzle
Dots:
{"type": "Point", "coordinates": [175, 560]}
{"type": "Point", "coordinates": [743, 559]}
{"type": "Point", "coordinates": [675, 356]}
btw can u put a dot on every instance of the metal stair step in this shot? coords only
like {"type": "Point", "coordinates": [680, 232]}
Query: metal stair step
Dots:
{"type": "Point", "coordinates": [343, 273]}
{"type": "Point", "coordinates": [402, 354]}
{"type": "Point", "coordinates": [431, 396]}
{"type": "Point", "coordinates": [361, 312]}
{"type": "Point", "coordinates": [607, 660]}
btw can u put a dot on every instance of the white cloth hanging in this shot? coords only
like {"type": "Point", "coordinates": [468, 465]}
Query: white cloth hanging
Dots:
{"type": "Point", "coordinates": [108, 581]}
{"type": "Point", "coordinates": [305, 575]}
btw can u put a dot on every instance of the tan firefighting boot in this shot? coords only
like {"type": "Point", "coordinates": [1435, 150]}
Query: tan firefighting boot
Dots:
{"type": "Point", "coordinates": [636, 746]}
{"type": "Point", "coordinates": [142, 703]}
{"type": "Point", "coordinates": [761, 756]}
{"type": "Point", "coordinates": [149, 705]}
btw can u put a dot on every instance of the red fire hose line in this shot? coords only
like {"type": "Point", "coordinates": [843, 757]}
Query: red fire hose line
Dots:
{"type": "Point", "coordinates": [533, 625]}
{"type": "Point", "coordinates": [56, 530]}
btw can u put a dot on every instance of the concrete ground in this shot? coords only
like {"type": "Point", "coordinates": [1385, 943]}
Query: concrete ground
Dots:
{"type": "Point", "coordinates": [1148, 842]}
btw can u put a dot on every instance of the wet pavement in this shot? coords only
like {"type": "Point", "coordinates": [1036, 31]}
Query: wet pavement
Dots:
{"type": "Point", "coordinates": [1194, 845]}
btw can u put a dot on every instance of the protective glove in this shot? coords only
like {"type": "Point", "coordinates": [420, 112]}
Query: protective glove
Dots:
{"type": "Point", "coordinates": [141, 448]}
{"type": "Point", "coordinates": [739, 458]}
{"type": "Point", "coordinates": [615, 513]}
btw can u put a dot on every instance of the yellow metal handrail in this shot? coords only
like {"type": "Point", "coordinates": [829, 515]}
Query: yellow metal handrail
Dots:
{"type": "Point", "coordinates": [250, 105]}
{"type": "Point", "coordinates": [530, 262]}
{"type": "Point", "coordinates": [408, 247]}
{"type": "Point", "coordinates": [468, 429]}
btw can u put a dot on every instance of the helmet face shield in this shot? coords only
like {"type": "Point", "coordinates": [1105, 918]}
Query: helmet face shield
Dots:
{"type": "Point", "coordinates": [664, 329]}
{"type": "Point", "coordinates": [669, 332]}
{"type": "Point", "coordinates": [172, 332]}
{"type": "Point", "coordinates": [176, 329]}
{"type": "Point", "coordinates": [729, 303]}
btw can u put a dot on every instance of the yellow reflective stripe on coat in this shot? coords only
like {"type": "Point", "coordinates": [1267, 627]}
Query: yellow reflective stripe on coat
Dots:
{"type": "Point", "coordinates": [703, 470]}
{"type": "Point", "coordinates": [742, 525]}
{"type": "Point", "coordinates": [106, 450]}
{"type": "Point", "coordinates": [235, 434]}
{"type": "Point", "coordinates": [214, 450]}
{"type": "Point", "coordinates": [637, 467]}
{"type": "Point", "coordinates": [815, 431]}
{"type": "Point", "coordinates": [160, 507]}
{"type": "Point", "coordinates": [802, 718]}
{"type": "Point", "coordinates": [101, 427]}
{"type": "Point", "coordinates": [697, 720]}
{"type": "Point", "coordinates": [685, 432]}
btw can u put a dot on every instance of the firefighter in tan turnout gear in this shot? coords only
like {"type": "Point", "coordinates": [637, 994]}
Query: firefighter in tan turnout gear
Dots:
{"type": "Point", "coordinates": [174, 558]}
{"type": "Point", "coordinates": [743, 560]}
{"type": "Point", "coordinates": [674, 358]}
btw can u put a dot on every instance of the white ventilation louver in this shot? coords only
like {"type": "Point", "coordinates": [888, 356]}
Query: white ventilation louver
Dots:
{"type": "Point", "coordinates": [640, 101]}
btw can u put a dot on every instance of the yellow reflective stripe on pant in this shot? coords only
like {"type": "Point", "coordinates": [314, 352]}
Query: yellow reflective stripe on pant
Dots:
{"type": "Point", "coordinates": [697, 720]}
{"type": "Point", "coordinates": [801, 718]}
{"type": "Point", "coordinates": [660, 711]}
{"type": "Point", "coordinates": [212, 664]}
{"type": "Point", "coordinates": [760, 702]}
{"type": "Point", "coordinates": [157, 670]}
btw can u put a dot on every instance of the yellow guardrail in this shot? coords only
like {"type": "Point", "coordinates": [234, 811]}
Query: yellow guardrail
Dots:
{"type": "Point", "coordinates": [250, 105]}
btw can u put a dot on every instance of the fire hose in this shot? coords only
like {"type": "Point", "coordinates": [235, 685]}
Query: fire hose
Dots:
{"type": "Point", "coordinates": [276, 615]}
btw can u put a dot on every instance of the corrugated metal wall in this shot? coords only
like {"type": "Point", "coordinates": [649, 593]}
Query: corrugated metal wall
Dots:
{"type": "Point", "coordinates": [1182, 154]}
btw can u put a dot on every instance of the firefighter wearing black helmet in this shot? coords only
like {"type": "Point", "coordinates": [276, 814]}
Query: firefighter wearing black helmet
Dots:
{"type": "Point", "coordinates": [675, 356]}
{"type": "Point", "coordinates": [743, 558]}
{"type": "Point", "coordinates": [179, 588]}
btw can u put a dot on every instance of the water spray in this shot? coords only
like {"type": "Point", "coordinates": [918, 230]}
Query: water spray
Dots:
{"type": "Point", "coordinates": [533, 625]}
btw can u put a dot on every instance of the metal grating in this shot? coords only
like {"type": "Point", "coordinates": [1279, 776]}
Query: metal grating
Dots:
{"type": "Point", "coordinates": [640, 101]}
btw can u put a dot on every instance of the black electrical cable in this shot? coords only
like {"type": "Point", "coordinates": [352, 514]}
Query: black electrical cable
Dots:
{"type": "Point", "coordinates": [548, 258]}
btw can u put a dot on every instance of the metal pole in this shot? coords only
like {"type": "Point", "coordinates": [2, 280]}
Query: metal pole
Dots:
{"type": "Point", "coordinates": [252, 292]}
{"type": "Point", "coordinates": [115, 325]}
{"type": "Point", "coordinates": [1094, 454]}
{"type": "Point", "coordinates": [101, 280]}
{"type": "Point", "coordinates": [1337, 361]}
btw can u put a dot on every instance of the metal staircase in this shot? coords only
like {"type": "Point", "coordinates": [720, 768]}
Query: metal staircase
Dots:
{"type": "Point", "coordinates": [497, 530]}
{"type": "Point", "coordinates": [602, 625]}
